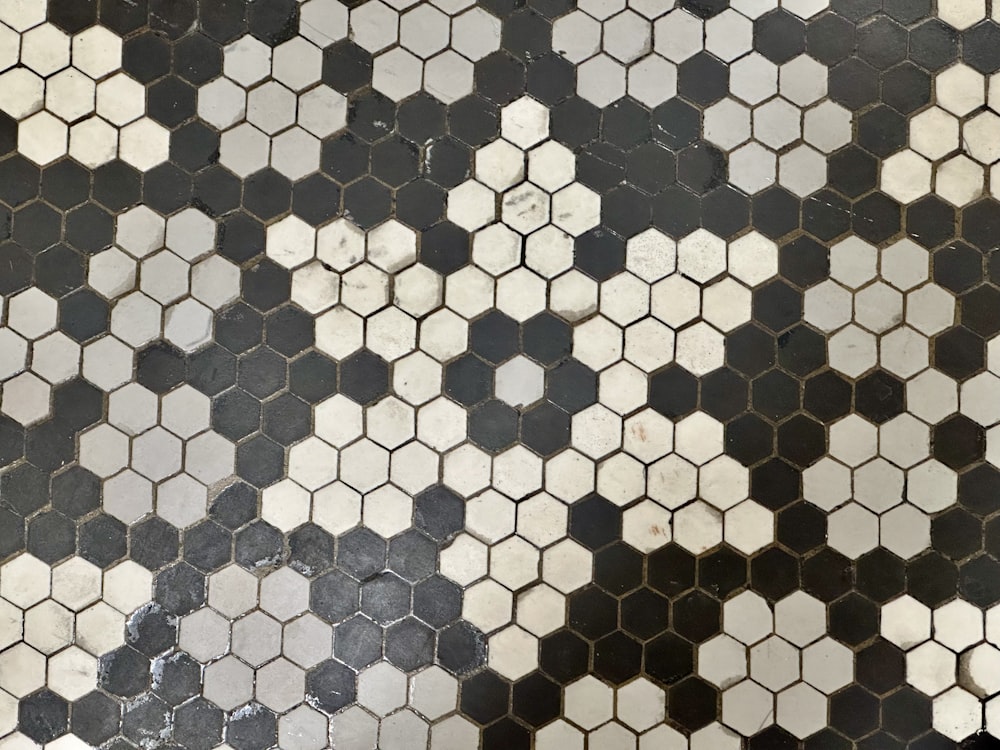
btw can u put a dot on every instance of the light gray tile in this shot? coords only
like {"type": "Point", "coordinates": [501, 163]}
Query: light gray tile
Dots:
{"type": "Point", "coordinates": [104, 450]}
{"type": "Point", "coordinates": [13, 353]}
{"type": "Point", "coordinates": [776, 123]}
{"type": "Point", "coordinates": [164, 277]}
{"type": "Point", "coordinates": [247, 60]}
{"type": "Point", "coordinates": [753, 167]}
{"type": "Point", "coordinates": [827, 665]}
{"type": "Point", "coordinates": [280, 685]}
{"type": "Point", "coordinates": [402, 731]}
{"type": "Point", "coordinates": [127, 496]}
{"type": "Point", "coordinates": [297, 63]}
{"type": "Point", "coordinates": [354, 729]}
{"type": "Point", "coordinates": [256, 638]}
{"type": "Point", "coordinates": [852, 530]}
{"type": "Point", "coordinates": [120, 99]}
{"type": "Point", "coordinates": [127, 586]}
{"type": "Point", "coordinates": [185, 411]}
{"type": "Point", "coordinates": [640, 704]}
{"type": "Point", "coordinates": [232, 591]}
{"type": "Point", "coordinates": [802, 80]}
{"type": "Point", "coordinates": [753, 78]}
{"type": "Point", "coordinates": [222, 103]}
{"type": "Point", "coordinates": [303, 728]}
{"type": "Point", "coordinates": [382, 688]}
{"type": "Point", "coordinates": [827, 126]}
{"type": "Point", "coordinates": [188, 325]}
{"type": "Point", "coordinates": [476, 33]}
{"type": "Point", "coordinates": [323, 22]}
{"type": "Point", "coordinates": [190, 234]}
{"type": "Point", "coordinates": [932, 486]}
{"type": "Point", "coordinates": [802, 170]}
{"type": "Point", "coordinates": [519, 382]}
{"type": "Point", "coordinates": [322, 110]}
{"type": "Point", "coordinates": [774, 663]}
{"type": "Point", "coordinates": [156, 454]}
{"type": "Point", "coordinates": [576, 36]}
{"type": "Point", "coordinates": [32, 313]}
{"type": "Point", "coordinates": [678, 35]}
{"type": "Point", "coordinates": [26, 398]}
{"type": "Point", "coordinates": [209, 457]}
{"type": "Point", "coordinates": [76, 583]}
{"type": "Point", "coordinates": [72, 673]}
{"type": "Point", "coordinates": [852, 350]}
{"type": "Point", "coordinates": [729, 35]}
{"type": "Point", "coordinates": [397, 73]}
{"type": "Point", "coordinates": [448, 77]}
{"type": "Point", "coordinates": [22, 670]}
{"type": "Point", "coordinates": [601, 9]}
{"type": "Point", "coordinates": [307, 640]}
{"type": "Point", "coordinates": [244, 149]}
{"type": "Point", "coordinates": [958, 624]}
{"type": "Point", "coordinates": [747, 707]}
{"type": "Point", "coordinates": [48, 627]}
{"type": "Point", "coordinates": [107, 363]}
{"type": "Point", "coordinates": [204, 634]}
{"type": "Point", "coordinates": [722, 661]}
{"type": "Point", "coordinates": [907, 176]}
{"type": "Point", "coordinates": [295, 153]}
{"type": "Point", "coordinates": [931, 668]}
{"type": "Point", "coordinates": [228, 683]}
{"type": "Point", "coordinates": [112, 273]}
{"type": "Point", "coordinates": [588, 702]}
{"type": "Point", "coordinates": [374, 26]}
{"type": "Point", "coordinates": [424, 30]}
{"type": "Point", "coordinates": [99, 629]}
{"type": "Point", "coordinates": [802, 710]}
{"type": "Point", "coordinates": [601, 80]}
{"type": "Point", "coordinates": [136, 318]}
{"type": "Point", "coordinates": [133, 409]}
{"type": "Point", "coordinates": [800, 618]}
{"type": "Point", "coordinates": [284, 594]}
{"type": "Point", "coordinates": [905, 622]}
{"type": "Point", "coordinates": [433, 692]}
{"type": "Point", "coordinates": [627, 36]}
{"type": "Point", "coordinates": [454, 733]}
{"type": "Point", "coordinates": [727, 123]}
{"type": "Point", "coordinates": [878, 485]}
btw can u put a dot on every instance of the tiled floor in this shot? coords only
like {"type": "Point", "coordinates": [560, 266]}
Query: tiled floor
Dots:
{"type": "Point", "coordinates": [609, 375]}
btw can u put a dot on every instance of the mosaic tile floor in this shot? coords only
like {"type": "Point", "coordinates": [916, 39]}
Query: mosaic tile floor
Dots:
{"type": "Point", "coordinates": [609, 375]}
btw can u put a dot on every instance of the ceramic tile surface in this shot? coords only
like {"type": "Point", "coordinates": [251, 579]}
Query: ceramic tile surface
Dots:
{"type": "Point", "coordinates": [595, 375]}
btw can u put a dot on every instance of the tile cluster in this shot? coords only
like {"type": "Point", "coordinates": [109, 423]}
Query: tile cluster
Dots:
{"type": "Point", "coordinates": [68, 94]}
{"type": "Point", "coordinates": [56, 622]}
{"type": "Point", "coordinates": [951, 656]}
{"type": "Point", "coordinates": [618, 374]}
{"type": "Point", "coordinates": [605, 718]}
{"type": "Point", "coordinates": [278, 121]}
{"type": "Point", "coordinates": [775, 665]}
{"type": "Point", "coordinates": [769, 105]}
{"type": "Point", "coordinates": [952, 146]}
